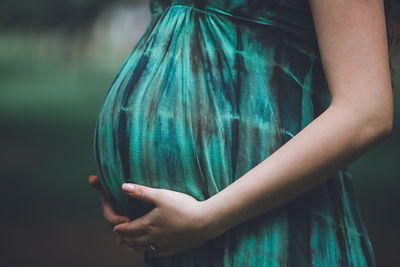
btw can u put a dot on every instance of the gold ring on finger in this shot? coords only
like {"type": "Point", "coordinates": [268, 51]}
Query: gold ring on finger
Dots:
{"type": "Point", "coordinates": [153, 248]}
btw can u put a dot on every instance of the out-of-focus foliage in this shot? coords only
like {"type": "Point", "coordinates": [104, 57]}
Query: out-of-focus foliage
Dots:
{"type": "Point", "coordinates": [50, 14]}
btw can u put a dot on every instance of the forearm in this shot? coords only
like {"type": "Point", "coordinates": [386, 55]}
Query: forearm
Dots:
{"type": "Point", "coordinates": [333, 140]}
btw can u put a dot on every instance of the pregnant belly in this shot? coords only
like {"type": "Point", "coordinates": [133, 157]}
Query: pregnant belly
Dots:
{"type": "Point", "coordinates": [175, 138]}
{"type": "Point", "coordinates": [196, 139]}
{"type": "Point", "coordinates": [177, 120]}
{"type": "Point", "coordinates": [164, 136]}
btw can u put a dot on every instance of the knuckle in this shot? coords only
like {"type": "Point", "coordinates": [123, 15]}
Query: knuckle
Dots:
{"type": "Point", "coordinates": [140, 192]}
{"type": "Point", "coordinates": [147, 227]}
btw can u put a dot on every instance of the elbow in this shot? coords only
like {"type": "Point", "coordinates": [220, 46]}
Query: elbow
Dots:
{"type": "Point", "coordinates": [380, 128]}
{"type": "Point", "coordinates": [386, 121]}
{"type": "Point", "coordinates": [370, 122]}
{"type": "Point", "coordinates": [386, 128]}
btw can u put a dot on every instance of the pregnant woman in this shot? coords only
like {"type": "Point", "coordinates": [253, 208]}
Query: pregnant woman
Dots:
{"type": "Point", "coordinates": [224, 139]}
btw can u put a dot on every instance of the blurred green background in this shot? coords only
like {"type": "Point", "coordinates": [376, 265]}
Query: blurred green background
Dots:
{"type": "Point", "coordinates": [57, 61]}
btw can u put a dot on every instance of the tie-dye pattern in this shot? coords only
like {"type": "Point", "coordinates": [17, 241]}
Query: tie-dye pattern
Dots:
{"type": "Point", "coordinates": [211, 89]}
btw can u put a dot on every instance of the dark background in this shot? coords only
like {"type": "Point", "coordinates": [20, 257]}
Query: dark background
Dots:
{"type": "Point", "coordinates": [57, 61]}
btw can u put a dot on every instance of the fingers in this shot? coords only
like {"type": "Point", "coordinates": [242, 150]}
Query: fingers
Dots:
{"type": "Point", "coordinates": [135, 236]}
{"type": "Point", "coordinates": [141, 192]}
{"type": "Point", "coordinates": [148, 251]}
{"type": "Point", "coordinates": [134, 241]}
{"type": "Point", "coordinates": [141, 243]}
{"type": "Point", "coordinates": [94, 181]}
{"type": "Point", "coordinates": [108, 212]}
{"type": "Point", "coordinates": [145, 247]}
{"type": "Point", "coordinates": [110, 215]}
{"type": "Point", "coordinates": [132, 228]}
{"type": "Point", "coordinates": [114, 219]}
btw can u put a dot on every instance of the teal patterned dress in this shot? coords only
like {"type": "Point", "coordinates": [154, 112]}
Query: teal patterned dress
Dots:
{"type": "Point", "coordinates": [210, 90]}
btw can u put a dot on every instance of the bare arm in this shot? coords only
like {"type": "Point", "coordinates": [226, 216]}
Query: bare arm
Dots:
{"type": "Point", "coordinates": [353, 47]}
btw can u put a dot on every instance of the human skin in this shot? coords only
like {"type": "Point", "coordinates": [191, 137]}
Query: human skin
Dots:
{"type": "Point", "coordinates": [353, 46]}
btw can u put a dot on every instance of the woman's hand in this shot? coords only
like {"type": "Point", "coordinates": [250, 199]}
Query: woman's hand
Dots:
{"type": "Point", "coordinates": [108, 212]}
{"type": "Point", "coordinates": [176, 224]}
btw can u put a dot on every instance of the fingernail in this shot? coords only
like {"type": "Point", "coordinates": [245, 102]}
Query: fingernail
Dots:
{"type": "Point", "coordinates": [128, 187]}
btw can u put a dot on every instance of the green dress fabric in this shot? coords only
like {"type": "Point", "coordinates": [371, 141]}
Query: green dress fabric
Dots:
{"type": "Point", "coordinates": [210, 90]}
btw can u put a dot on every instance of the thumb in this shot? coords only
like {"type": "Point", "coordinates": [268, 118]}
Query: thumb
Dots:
{"type": "Point", "coordinates": [141, 192]}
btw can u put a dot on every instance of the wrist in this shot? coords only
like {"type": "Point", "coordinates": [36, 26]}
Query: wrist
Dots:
{"type": "Point", "coordinates": [213, 221]}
